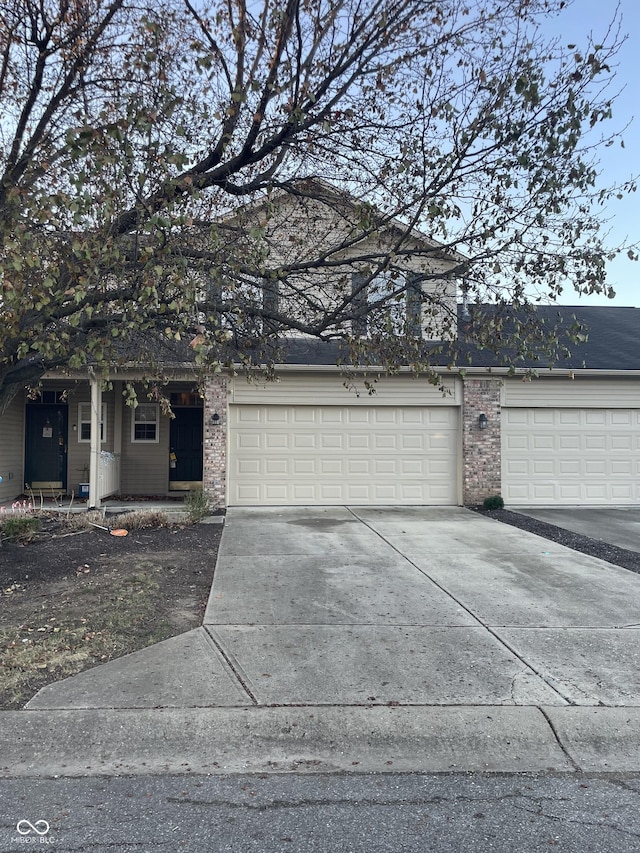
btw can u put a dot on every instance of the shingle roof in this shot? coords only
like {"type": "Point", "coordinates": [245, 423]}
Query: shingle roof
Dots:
{"type": "Point", "coordinates": [613, 338]}
{"type": "Point", "coordinates": [613, 341]}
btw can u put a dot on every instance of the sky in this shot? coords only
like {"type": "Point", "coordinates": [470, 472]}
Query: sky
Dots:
{"type": "Point", "coordinates": [616, 163]}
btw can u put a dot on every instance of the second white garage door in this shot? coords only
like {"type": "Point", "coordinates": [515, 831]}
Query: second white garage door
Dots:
{"type": "Point", "coordinates": [570, 456]}
{"type": "Point", "coordinates": [324, 455]}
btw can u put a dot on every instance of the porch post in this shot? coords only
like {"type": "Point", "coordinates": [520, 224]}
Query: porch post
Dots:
{"type": "Point", "coordinates": [117, 427]}
{"type": "Point", "coordinates": [94, 459]}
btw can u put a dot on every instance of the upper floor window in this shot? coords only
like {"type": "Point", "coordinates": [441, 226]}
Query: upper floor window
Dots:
{"type": "Point", "coordinates": [402, 309]}
{"type": "Point", "coordinates": [249, 297]}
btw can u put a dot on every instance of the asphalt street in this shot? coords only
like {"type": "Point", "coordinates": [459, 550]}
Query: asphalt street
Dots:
{"type": "Point", "coordinates": [445, 813]}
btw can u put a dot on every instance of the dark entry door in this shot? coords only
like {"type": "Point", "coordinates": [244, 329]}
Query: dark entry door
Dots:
{"type": "Point", "coordinates": [46, 446]}
{"type": "Point", "coordinates": [186, 445]}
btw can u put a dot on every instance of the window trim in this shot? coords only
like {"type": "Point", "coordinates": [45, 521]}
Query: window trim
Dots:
{"type": "Point", "coordinates": [407, 310]}
{"type": "Point", "coordinates": [155, 440]}
{"type": "Point", "coordinates": [87, 420]}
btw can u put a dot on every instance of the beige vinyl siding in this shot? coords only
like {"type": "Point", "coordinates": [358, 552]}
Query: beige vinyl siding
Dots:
{"type": "Point", "coordinates": [329, 389]}
{"type": "Point", "coordinates": [578, 393]}
{"type": "Point", "coordinates": [12, 450]}
{"type": "Point", "coordinates": [293, 224]}
{"type": "Point", "coordinates": [144, 468]}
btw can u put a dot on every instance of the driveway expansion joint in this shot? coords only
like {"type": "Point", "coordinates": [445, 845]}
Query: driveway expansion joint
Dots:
{"type": "Point", "coordinates": [233, 665]}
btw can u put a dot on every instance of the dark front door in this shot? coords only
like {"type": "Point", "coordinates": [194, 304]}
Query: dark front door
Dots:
{"type": "Point", "coordinates": [46, 446]}
{"type": "Point", "coordinates": [185, 464]}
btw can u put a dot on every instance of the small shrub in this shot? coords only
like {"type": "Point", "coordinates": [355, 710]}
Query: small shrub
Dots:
{"type": "Point", "coordinates": [134, 520]}
{"type": "Point", "coordinates": [197, 505]}
{"type": "Point", "coordinates": [493, 502]}
{"type": "Point", "coordinates": [139, 519]}
{"type": "Point", "coordinates": [19, 528]}
{"type": "Point", "coordinates": [82, 520]}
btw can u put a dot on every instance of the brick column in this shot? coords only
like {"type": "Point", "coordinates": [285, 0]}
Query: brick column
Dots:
{"type": "Point", "coordinates": [481, 459]}
{"type": "Point", "coordinates": [214, 475]}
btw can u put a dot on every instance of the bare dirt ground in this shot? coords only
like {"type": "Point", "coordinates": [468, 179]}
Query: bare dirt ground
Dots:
{"type": "Point", "coordinates": [71, 601]}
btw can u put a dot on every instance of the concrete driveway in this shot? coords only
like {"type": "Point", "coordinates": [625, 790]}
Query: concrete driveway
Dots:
{"type": "Point", "coordinates": [618, 526]}
{"type": "Point", "coordinates": [419, 606]}
{"type": "Point", "coordinates": [362, 640]}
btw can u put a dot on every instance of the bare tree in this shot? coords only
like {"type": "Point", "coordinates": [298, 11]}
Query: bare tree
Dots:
{"type": "Point", "coordinates": [229, 173]}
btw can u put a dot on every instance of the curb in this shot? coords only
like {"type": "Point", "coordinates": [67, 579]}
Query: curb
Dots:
{"type": "Point", "coordinates": [346, 739]}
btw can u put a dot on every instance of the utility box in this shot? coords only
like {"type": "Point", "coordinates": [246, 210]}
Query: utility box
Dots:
{"type": "Point", "coordinates": [83, 490]}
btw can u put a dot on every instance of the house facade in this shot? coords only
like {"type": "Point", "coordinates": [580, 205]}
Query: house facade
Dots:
{"type": "Point", "coordinates": [312, 437]}
{"type": "Point", "coordinates": [569, 437]}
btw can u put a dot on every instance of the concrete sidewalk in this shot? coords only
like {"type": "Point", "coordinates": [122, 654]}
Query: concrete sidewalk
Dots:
{"type": "Point", "coordinates": [365, 639]}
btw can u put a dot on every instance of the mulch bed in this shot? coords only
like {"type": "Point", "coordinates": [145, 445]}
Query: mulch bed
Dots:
{"type": "Point", "coordinates": [593, 547]}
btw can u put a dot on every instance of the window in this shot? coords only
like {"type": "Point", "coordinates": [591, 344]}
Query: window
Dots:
{"type": "Point", "coordinates": [144, 423]}
{"type": "Point", "coordinates": [270, 303]}
{"type": "Point", "coordinates": [84, 422]}
{"type": "Point", "coordinates": [404, 310]}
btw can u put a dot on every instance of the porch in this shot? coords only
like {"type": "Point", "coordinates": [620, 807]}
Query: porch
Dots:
{"type": "Point", "coordinates": [78, 443]}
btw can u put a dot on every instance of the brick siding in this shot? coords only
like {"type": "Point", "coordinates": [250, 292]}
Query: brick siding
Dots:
{"type": "Point", "coordinates": [215, 441]}
{"type": "Point", "coordinates": [481, 462]}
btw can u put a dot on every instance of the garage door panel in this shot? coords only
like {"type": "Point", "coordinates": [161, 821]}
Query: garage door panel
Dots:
{"type": "Point", "coordinates": [249, 442]}
{"type": "Point", "coordinates": [622, 493]}
{"type": "Point", "coordinates": [569, 467]}
{"type": "Point", "coordinates": [595, 467]}
{"type": "Point", "coordinates": [357, 441]}
{"type": "Point", "coordinates": [329, 455]}
{"type": "Point", "coordinates": [542, 417]}
{"type": "Point", "coordinates": [624, 443]}
{"type": "Point", "coordinates": [577, 456]}
{"type": "Point", "coordinates": [330, 416]}
{"type": "Point", "coordinates": [299, 417]}
{"type": "Point", "coordinates": [542, 467]}
{"type": "Point", "coordinates": [595, 442]}
{"type": "Point", "coordinates": [543, 442]}
{"type": "Point", "coordinates": [624, 467]}
{"type": "Point", "coordinates": [623, 418]}
{"type": "Point", "coordinates": [412, 417]}
{"type": "Point", "coordinates": [386, 443]}
{"type": "Point", "coordinates": [570, 442]}
{"type": "Point", "coordinates": [275, 467]}
{"type": "Point", "coordinates": [568, 493]}
{"type": "Point", "coordinates": [386, 468]}
{"type": "Point", "coordinates": [248, 493]}
{"type": "Point", "coordinates": [275, 440]}
{"type": "Point", "coordinates": [516, 443]}
{"type": "Point", "coordinates": [328, 468]}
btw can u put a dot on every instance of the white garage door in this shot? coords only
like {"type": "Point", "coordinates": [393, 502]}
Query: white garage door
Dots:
{"type": "Point", "coordinates": [570, 456]}
{"type": "Point", "coordinates": [323, 455]}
